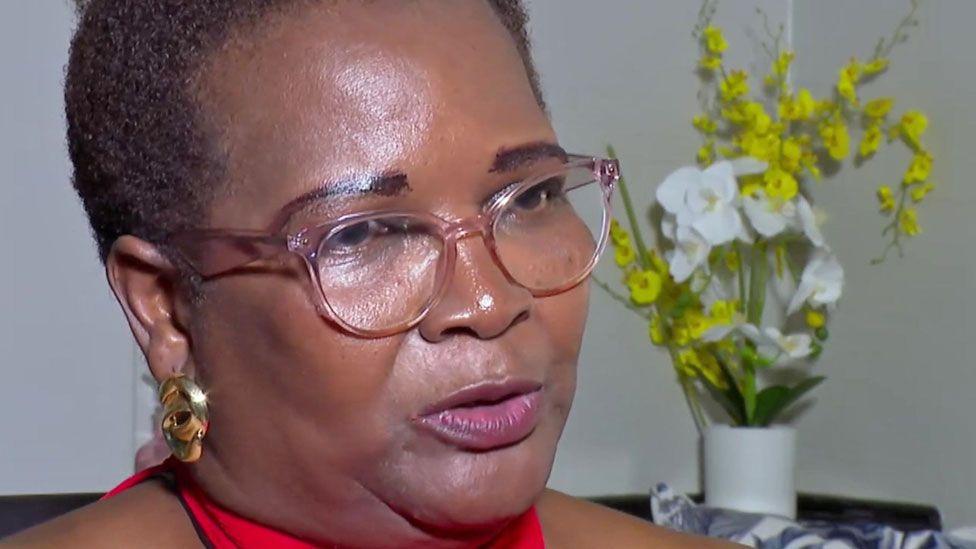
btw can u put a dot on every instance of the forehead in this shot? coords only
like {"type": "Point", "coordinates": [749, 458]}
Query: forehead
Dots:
{"type": "Point", "coordinates": [334, 90]}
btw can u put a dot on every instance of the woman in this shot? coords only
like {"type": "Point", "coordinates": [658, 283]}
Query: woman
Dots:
{"type": "Point", "coordinates": [351, 249]}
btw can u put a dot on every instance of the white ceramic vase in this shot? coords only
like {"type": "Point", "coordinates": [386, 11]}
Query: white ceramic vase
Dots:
{"type": "Point", "coordinates": [751, 469]}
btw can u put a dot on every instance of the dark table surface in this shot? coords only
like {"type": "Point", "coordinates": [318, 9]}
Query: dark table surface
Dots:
{"type": "Point", "coordinates": [20, 512]}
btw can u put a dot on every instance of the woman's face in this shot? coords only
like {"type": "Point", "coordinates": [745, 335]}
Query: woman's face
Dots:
{"type": "Point", "coordinates": [314, 418]}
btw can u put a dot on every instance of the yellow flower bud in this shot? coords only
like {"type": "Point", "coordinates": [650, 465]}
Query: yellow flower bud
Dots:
{"type": "Point", "coordinates": [919, 169]}
{"type": "Point", "coordinates": [704, 124]}
{"type": "Point", "coordinates": [886, 198]}
{"type": "Point", "coordinates": [656, 330]}
{"type": "Point", "coordinates": [878, 108]}
{"type": "Point", "coordinates": [714, 40]}
{"type": "Point", "coordinates": [876, 66]}
{"type": "Point", "coordinates": [816, 319]}
{"type": "Point", "coordinates": [871, 141]}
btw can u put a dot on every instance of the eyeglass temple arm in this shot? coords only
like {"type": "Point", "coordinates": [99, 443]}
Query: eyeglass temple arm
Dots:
{"type": "Point", "coordinates": [211, 253]}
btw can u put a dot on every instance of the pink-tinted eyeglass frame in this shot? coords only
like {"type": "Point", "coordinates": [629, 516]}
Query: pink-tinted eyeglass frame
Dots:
{"type": "Point", "coordinates": [211, 252]}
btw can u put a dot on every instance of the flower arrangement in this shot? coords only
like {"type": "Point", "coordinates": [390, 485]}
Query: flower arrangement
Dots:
{"type": "Point", "coordinates": [741, 280]}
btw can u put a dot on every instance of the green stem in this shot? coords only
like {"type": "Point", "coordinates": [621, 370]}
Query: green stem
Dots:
{"type": "Point", "coordinates": [645, 259]}
{"type": "Point", "coordinates": [757, 287]}
{"type": "Point", "coordinates": [691, 396]}
{"type": "Point", "coordinates": [742, 275]}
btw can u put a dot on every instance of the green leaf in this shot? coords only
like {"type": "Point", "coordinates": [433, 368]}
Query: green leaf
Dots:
{"type": "Point", "coordinates": [749, 396]}
{"type": "Point", "coordinates": [772, 401]}
{"type": "Point", "coordinates": [730, 400]}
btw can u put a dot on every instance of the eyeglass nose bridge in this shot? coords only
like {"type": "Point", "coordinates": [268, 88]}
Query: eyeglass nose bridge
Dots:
{"type": "Point", "coordinates": [471, 226]}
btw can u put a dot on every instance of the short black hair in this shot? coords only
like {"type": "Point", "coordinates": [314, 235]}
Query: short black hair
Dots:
{"type": "Point", "coordinates": [144, 164]}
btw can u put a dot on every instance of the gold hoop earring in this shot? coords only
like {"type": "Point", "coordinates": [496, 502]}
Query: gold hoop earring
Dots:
{"type": "Point", "coordinates": [185, 417]}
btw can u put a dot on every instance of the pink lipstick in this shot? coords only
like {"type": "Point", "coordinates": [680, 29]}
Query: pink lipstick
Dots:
{"type": "Point", "coordinates": [485, 416]}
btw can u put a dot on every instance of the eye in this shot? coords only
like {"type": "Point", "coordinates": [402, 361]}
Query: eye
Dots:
{"type": "Point", "coordinates": [356, 235]}
{"type": "Point", "coordinates": [541, 194]}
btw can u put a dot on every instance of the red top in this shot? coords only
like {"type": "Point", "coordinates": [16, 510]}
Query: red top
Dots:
{"type": "Point", "coordinates": [222, 529]}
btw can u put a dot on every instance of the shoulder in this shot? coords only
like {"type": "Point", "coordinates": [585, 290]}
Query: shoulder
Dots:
{"type": "Point", "coordinates": [147, 515]}
{"type": "Point", "coordinates": [572, 522]}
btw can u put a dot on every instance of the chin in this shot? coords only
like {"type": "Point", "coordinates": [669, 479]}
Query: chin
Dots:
{"type": "Point", "coordinates": [459, 488]}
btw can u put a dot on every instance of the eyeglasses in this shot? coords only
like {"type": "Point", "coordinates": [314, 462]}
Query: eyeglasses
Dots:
{"type": "Point", "coordinates": [380, 272]}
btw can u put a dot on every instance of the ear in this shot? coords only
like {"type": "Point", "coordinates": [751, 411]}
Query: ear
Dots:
{"type": "Point", "coordinates": [147, 287]}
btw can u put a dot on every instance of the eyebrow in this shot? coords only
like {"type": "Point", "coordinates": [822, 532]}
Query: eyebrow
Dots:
{"type": "Point", "coordinates": [388, 184]}
{"type": "Point", "coordinates": [510, 159]}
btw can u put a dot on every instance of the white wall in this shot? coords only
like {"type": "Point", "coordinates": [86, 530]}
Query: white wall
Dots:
{"type": "Point", "coordinates": [896, 416]}
{"type": "Point", "coordinates": [66, 418]}
{"type": "Point", "coordinates": [893, 421]}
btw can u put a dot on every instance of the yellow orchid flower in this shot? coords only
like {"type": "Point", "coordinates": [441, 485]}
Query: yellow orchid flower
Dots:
{"type": "Point", "coordinates": [757, 118]}
{"type": "Point", "coordinates": [836, 138]}
{"type": "Point", "coordinates": [735, 85]}
{"type": "Point", "coordinates": [624, 254]}
{"type": "Point", "coordinates": [847, 80]}
{"type": "Point", "coordinates": [782, 64]}
{"type": "Point", "coordinates": [875, 66]}
{"type": "Point", "coordinates": [871, 141]}
{"type": "Point", "coordinates": [723, 312]}
{"type": "Point", "coordinates": [790, 155]}
{"type": "Point", "coordinates": [919, 169]}
{"type": "Point", "coordinates": [714, 40]}
{"type": "Point", "coordinates": [878, 108]}
{"type": "Point", "coordinates": [694, 323]}
{"type": "Point", "coordinates": [706, 154]}
{"type": "Point", "coordinates": [886, 198]}
{"type": "Point", "coordinates": [710, 62]}
{"type": "Point", "coordinates": [908, 221]}
{"type": "Point", "coordinates": [704, 124]}
{"type": "Point", "coordinates": [920, 192]}
{"type": "Point", "coordinates": [618, 234]}
{"type": "Point", "coordinates": [799, 108]}
{"type": "Point", "coordinates": [913, 126]}
{"type": "Point", "coordinates": [645, 287]}
{"type": "Point", "coordinates": [780, 184]}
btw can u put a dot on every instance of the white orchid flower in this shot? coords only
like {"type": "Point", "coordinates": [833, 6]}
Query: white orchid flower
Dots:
{"type": "Point", "coordinates": [708, 200]}
{"type": "Point", "coordinates": [690, 252]}
{"type": "Point", "coordinates": [821, 283]}
{"type": "Point", "coordinates": [794, 346]}
{"type": "Point", "coordinates": [771, 217]}
{"type": "Point", "coordinates": [768, 216]}
{"type": "Point", "coordinates": [808, 223]}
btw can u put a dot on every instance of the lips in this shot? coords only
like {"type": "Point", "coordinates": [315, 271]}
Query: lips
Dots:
{"type": "Point", "coordinates": [485, 416]}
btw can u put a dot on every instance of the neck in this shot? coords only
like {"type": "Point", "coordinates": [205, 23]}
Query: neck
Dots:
{"type": "Point", "coordinates": [347, 514]}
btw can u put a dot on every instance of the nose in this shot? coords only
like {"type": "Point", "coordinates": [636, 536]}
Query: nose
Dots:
{"type": "Point", "coordinates": [479, 300]}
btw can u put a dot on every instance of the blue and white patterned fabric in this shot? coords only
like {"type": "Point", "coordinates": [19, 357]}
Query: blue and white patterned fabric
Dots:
{"type": "Point", "coordinates": [677, 512]}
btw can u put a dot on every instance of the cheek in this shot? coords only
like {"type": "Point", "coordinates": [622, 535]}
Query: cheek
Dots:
{"type": "Point", "coordinates": [268, 358]}
{"type": "Point", "coordinates": [564, 318]}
